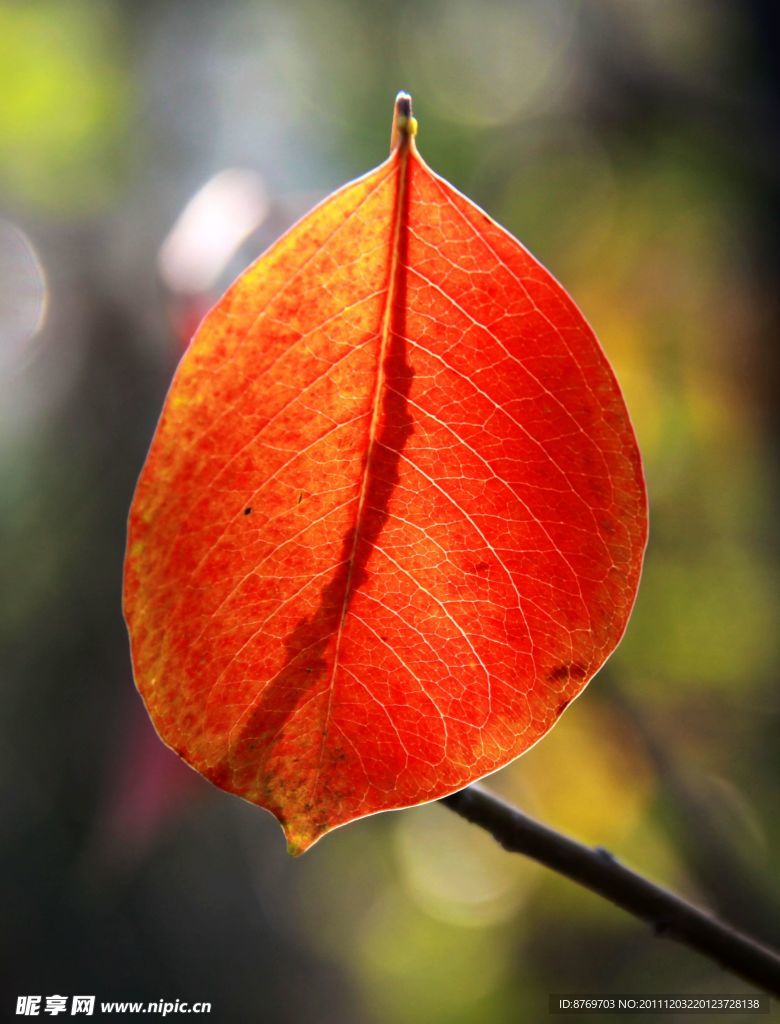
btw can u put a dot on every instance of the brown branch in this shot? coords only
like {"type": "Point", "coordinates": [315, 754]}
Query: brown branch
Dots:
{"type": "Point", "coordinates": [597, 870]}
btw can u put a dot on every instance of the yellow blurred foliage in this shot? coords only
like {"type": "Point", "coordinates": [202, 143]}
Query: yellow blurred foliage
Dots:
{"type": "Point", "coordinates": [62, 103]}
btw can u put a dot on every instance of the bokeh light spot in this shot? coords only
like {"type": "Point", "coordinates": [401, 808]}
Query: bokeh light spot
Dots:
{"type": "Point", "coordinates": [23, 295]}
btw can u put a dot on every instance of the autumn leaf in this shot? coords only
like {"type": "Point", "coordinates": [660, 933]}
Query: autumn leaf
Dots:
{"type": "Point", "coordinates": [393, 517]}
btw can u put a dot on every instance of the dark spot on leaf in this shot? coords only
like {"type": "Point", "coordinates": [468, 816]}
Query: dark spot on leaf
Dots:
{"type": "Point", "coordinates": [248, 510]}
{"type": "Point", "coordinates": [481, 567]}
{"type": "Point", "coordinates": [562, 707]}
{"type": "Point", "coordinates": [300, 497]}
{"type": "Point", "coordinates": [573, 671]}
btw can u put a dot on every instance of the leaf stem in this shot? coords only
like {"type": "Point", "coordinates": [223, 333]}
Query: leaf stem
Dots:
{"type": "Point", "coordinates": [596, 869]}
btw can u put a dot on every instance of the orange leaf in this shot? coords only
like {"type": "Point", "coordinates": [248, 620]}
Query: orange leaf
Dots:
{"type": "Point", "coordinates": [393, 517]}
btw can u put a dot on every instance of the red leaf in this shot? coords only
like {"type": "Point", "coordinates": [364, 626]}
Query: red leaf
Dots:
{"type": "Point", "coordinates": [393, 517]}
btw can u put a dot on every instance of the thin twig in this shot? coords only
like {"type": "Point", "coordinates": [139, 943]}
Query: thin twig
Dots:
{"type": "Point", "coordinates": [597, 870]}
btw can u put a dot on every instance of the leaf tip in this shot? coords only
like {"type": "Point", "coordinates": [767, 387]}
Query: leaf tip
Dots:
{"type": "Point", "coordinates": [404, 122]}
{"type": "Point", "coordinates": [403, 103]}
{"type": "Point", "coordinates": [298, 842]}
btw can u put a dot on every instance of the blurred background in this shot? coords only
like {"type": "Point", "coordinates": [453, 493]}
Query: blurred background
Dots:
{"type": "Point", "coordinates": [148, 151]}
